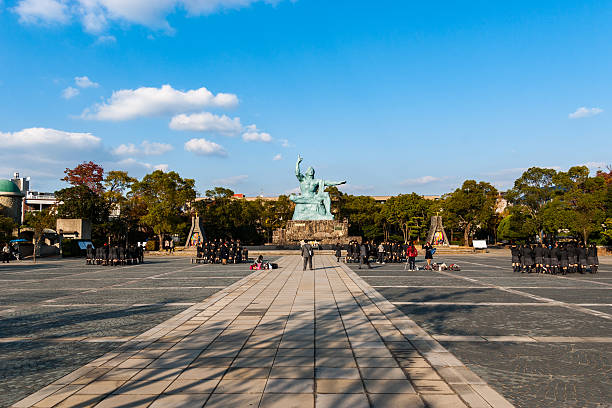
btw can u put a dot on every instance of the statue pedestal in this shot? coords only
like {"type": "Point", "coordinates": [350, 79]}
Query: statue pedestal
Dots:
{"type": "Point", "coordinates": [323, 231]}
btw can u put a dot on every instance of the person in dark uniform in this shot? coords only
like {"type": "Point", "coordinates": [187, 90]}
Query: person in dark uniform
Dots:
{"type": "Point", "coordinates": [592, 258]}
{"type": "Point", "coordinates": [238, 258]}
{"type": "Point", "coordinates": [527, 257]}
{"type": "Point", "coordinates": [582, 258]}
{"type": "Point", "coordinates": [563, 259]}
{"type": "Point", "coordinates": [547, 249]}
{"type": "Point", "coordinates": [572, 256]}
{"type": "Point", "coordinates": [538, 252]}
{"type": "Point", "coordinates": [307, 254]}
{"type": "Point", "coordinates": [90, 255]}
{"type": "Point", "coordinates": [338, 251]}
{"type": "Point", "coordinates": [121, 255]}
{"type": "Point", "coordinates": [428, 254]}
{"type": "Point", "coordinates": [224, 253]}
{"type": "Point", "coordinates": [364, 255]}
{"type": "Point", "coordinates": [554, 259]}
{"type": "Point", "coordinates": [516, 258]}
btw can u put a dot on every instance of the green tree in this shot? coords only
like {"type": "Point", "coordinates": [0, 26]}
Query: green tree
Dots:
{"type": "Point", "coordinates": [533, 190]}
{"type": "Point", "coordinates": [586, 197]}
{"type": "Point", "coordinates": [518, 225]}
{"type": "Point", "coordinates": [362, 214]}
{"type": "Point", "coordinates": [166, 197]}
{"type": "Point", "coordinates": [82, 202]}
{"type": "Point", "coordinates": [275, 214]}
{"type": "Point", "coordinates": [474, 206]}
{"type": "Point", "coordinates": [7, 225]}
{"type": "Point", "coordinates": [39, 221]}
{"type": "Point", "coordinates": [408, 212]}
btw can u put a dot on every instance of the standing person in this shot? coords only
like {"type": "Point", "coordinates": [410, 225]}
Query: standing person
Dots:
{"type": "Point", "coordinates": [6, 254]}
{"type": "Point", "coordinates": [563, 259]}
{"type": "Point", "coordinates": [363, 255]}
{"type": "Point", "coordinates": [516, 258]}
{"type": "Point", "coordinates": [539, 258]}
{"type": "Point", "coordinates": [90, 255]}
{"type": "Point", "coordinates": [572, 256]}
{"type": "Point", "coordinates": [582, 258]}
{"type": "Point", "coordinates": [592, 258]}
{"type": "Point", "coordinates": [307, 255]}
{"type": "Point", "coordinates": [428, 253]}
{"type": "Point", "coordinates": [224, 253]}
{"type": "Point", "coordinates": [547, 251]}
{"type": "Point", "coordinates": [338, 249]}
{"type": "Point", "coordinates": [554, 259]}
{"type": "Point", "coordinates": [381, 254]}
{"type": "Point", "coordinates": [411, 253]}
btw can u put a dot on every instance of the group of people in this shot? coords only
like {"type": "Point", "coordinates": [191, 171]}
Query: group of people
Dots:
{"type": "Point", "coordinates": [220, 251]}
{"type": "Point", "coordinates": [114, 255]}
{"type": "Point", "coordinates": [557, 258]}
{"type": "Point", "coordinates": [385, 252]}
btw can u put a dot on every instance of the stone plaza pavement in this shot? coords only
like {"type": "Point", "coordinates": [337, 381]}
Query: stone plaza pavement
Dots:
{"type": "Point", "coordinates": [280, 338]}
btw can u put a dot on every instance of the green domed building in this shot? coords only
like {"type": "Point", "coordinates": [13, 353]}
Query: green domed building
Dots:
{"type": "Point", "coordinates": [11, 200]}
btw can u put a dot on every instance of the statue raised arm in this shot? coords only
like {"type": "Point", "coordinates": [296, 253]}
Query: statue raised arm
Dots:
{"type": "Point", "coordinates": [313, 203]}
{"type": "Point", "coordinates": [298, 173]}
{"type": "Point", "coordinates": [333, 183]}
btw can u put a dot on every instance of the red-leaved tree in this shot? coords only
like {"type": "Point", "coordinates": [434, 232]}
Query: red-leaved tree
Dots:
{"type": "Point", "coordinates": [87, 174]}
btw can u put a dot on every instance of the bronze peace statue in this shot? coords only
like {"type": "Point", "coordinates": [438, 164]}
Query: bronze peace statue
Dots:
{"type": "Point", "coordinates": [313, 203]}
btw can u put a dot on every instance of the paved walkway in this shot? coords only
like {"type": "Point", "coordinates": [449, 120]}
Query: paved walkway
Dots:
{"type": "Point", "coordinates": [282, 338]}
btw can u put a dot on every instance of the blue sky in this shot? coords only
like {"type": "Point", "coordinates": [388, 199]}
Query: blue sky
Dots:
{"type": "Point", "coordinates": [393, 96]}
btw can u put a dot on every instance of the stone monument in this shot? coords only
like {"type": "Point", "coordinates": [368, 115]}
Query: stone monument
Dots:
{"type": "Point", "coordinates": [436, 234]}
{"type": "Point", "coordinates": [312, 217]}
{"type": "Point", "coordinates": [196, 234]}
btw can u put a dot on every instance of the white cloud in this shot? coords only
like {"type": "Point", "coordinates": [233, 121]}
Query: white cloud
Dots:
{"type": "Point", "coordinates": [584, 112]}
{"type": "Point", "coordinates": [205, 147]}
{"type": "Point", "coordinates": [131, 162]}
{"type": "Point", "coordinates": [42, 11]}
{"type": "Point", "coordinates": [231, 181]}
{"type": "Point", "coordinates": [285, 143]}
{"type": "Point", "coordinates": [128, 104]}
{"type": "Point", "coordinates": [278, 157]}
{"type": "Point", "coordinates": [125, 149]}
{"type": "Point", "coordinates": [70, 93]}
{"type": "Point", "coordinates": [106, 39]}
{"type": "Point", "coordinates": [420, 181]}
{"type": "Point", "coordinates": [146, 148]}
{"type": "Point", "coordinates": [155, 148]}
{"type": "Point", "coordinates": [38, 137]}
{"type": "Point", "coordinates": [252, 134]}
{"type": "Point", "coordinates": [97, 15]}
{"type": "Point", "coordinates": [85, 82]}
{"type": "Point", "coordinates": [207, 122]}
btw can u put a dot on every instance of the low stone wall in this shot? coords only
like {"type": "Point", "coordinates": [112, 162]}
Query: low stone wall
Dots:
{"type": "Point", "coordinates": [323, 231]}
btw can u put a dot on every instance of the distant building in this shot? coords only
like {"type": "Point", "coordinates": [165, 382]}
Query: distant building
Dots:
{"type": "Point", "coordinates": [32, 200]}
{"type": "Point", "coordinates": [11, 200]}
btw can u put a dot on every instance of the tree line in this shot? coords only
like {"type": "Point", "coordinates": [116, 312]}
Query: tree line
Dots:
{"type": "Point", "coordinates": [543, 203]}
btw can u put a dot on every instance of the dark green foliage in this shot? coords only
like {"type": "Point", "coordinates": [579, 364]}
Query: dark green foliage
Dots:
{"type": "Point", "coordinates": [7, 225]}
{"type": "Point", "coordinates": [70, 248]}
